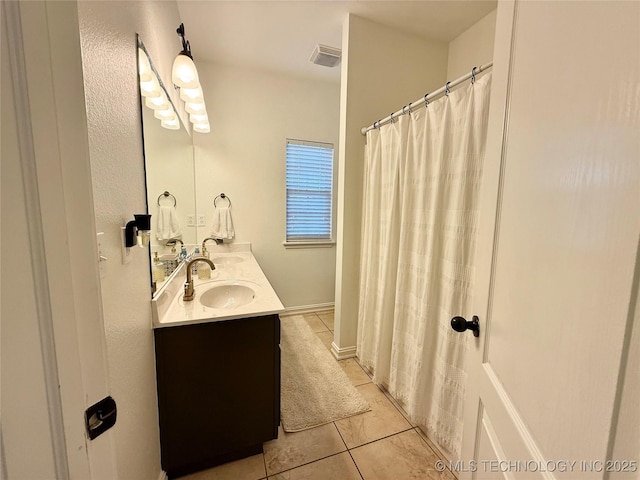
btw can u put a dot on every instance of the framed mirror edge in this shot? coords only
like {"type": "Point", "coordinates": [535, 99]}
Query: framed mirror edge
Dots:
{"type": "Point", "coordinates": [157, 286]}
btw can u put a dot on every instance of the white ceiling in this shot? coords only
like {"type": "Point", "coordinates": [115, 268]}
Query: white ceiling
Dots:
{"type": "Point", "coordinates": [281, 35]}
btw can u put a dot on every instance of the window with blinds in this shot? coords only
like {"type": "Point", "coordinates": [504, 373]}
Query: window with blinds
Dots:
{"type": "Point", "coordinates": [309, 192]}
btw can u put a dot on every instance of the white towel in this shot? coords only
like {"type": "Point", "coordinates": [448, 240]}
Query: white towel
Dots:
{"type": "Point", "coordinates": [222, 224]}
{"type": "Point", "coordinates": [168, 224]}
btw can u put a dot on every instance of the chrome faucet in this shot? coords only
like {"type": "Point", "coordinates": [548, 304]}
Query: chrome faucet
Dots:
{"type": "Point", "coordinates": [172, 242]}
{"type": "Point", "coordinates": [189, 291]}
{"type": "Point", "coordinates": [217, 240]}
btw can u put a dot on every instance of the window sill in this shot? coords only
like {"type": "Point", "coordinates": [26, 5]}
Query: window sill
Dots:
{"type": "Point", "coordinates": [311, 244]}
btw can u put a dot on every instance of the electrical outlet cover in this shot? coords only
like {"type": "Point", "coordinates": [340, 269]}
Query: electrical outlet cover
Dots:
{"type": "Point", "coordinates": [201, 220]}
{"type": "Point", "coordinates": [191, 220]}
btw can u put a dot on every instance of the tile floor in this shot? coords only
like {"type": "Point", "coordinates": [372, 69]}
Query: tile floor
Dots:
{"type": "Point", "coordinates": [377, 445]}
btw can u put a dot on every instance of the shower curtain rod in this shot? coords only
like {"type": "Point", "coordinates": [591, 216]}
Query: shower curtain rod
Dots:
{"type": "Point", "coordinates": [427, 97]}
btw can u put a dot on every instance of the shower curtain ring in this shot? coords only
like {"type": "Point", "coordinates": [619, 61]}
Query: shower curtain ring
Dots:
{"type": "Point", "coordinates": [447, 91]}
{"type": "Point", "coordinates": [473, 75]}
{"type": "Point", "coordinates": [391, 116]}
{"type": "Point", "coordinates": [426, 100]}
{"type": "Point", "coordinates": [403, 112]}
{"type": "Point", "coordinates": [409, 107]}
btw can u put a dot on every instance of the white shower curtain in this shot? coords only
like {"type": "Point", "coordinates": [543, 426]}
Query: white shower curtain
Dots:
{"type": "Point", "coordinates": [422, 179]}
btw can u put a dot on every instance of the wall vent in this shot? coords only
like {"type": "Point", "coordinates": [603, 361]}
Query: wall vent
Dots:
{"type": "Point", "coordinates": [326, 56]}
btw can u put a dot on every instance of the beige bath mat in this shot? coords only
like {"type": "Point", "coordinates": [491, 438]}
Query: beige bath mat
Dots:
{"type": "Point", "coordinates": [315, 390]}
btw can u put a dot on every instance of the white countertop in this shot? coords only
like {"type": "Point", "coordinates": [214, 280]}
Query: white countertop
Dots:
{"type": "Point", "coordinates": [170, 310]}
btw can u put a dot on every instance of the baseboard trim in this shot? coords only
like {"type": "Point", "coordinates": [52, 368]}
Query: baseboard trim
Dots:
{"type": "Point", "coordinates": [163, 475]}
{"type": "Point", "coordinates": [342, 353]}
{"type": "Point", "coordinates": [309, 308]}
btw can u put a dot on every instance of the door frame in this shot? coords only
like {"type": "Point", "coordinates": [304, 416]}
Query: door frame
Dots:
{"type": "Point", "coordinates": [51, 120]}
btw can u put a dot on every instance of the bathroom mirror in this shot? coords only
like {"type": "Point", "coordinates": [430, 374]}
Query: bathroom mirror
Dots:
{"type": "Point", "coordinates": [169, 167]}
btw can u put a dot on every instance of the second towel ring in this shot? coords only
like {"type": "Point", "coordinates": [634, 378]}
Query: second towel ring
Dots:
{"type": "Point", "coordinates": [167, 194]}
{"type": "Point", "coordinates": [223, 196]}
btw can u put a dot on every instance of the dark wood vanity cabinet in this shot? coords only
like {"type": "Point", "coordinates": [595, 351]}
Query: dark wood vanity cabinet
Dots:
{"type": "Point", "coordinates": [218, 391]}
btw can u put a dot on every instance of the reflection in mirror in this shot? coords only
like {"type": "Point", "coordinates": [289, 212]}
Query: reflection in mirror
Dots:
{"type": "Point", "coordinates": [169, 166]}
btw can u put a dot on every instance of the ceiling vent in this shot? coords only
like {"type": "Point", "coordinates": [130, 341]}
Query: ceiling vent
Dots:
{"type": "Point", "coordinates": [326, 56]}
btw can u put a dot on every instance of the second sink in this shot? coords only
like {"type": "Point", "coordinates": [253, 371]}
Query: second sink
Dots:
{"type": "Point", "coordinates": [226, 260]}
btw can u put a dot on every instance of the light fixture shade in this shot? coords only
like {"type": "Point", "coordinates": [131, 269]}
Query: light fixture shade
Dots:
{"type": "Point", "coordinates": [150, 88]}
{"type": "Point", "coordinates": [144, 67]}
{"type": "Point", "coordinates": [201, 127]}
{"type": "Point", "coordinates": [165, 114]}
{"type": "Point", "coordinates": [198, 118]}
{"type": "Point", "coordinates": [172, 124]}
{"type": "Point", "coordinates": [158, 103]}
{"type": "Point", "coordinates": [193, 95]}
{"type": "Point", "coordinates": [195, 107]}
{"type": "Point", "coordinates": [184, 73]}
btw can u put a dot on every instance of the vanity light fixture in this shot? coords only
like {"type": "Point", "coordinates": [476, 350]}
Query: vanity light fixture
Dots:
{"type": "Point", "coordinates": [185, 77]}
{"type": "Point", "coordinates": [157, 103]}
{"type": "Point", "coordinates": [171, 124]}
{"type": "Point", "coordinates": [184, 72]}
{"type": "Point", "coordinates": [155, 96]}
{"type": "Point", "coordinates": [201, 128]}
{"type": "Point", "coordinates": [144, 67]}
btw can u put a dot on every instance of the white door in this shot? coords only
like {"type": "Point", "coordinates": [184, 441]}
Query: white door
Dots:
{"type": "Point", "coordinates": [558, 252]}
{"type": "Point", "coordinates": [53, 360]}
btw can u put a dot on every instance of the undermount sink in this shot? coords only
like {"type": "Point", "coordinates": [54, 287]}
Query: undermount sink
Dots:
{"type": "Point", "coordinates": [227, 295]}
{"type": "Point", "coordinates": [226, 260]}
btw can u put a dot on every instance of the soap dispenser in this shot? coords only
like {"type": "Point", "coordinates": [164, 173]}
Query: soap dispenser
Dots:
{"type": "Point", "coordinates": [204, 271]}
{"type": "Point", "coordinates": [157, 271]}
{"type": "Point", "coordinates": [194, 268]}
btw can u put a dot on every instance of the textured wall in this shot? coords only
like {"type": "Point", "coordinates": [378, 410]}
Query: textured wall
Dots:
{"type": "Point", "coordinates": [108, 31]}
{"type": "Point", "coordinates": [252, 114]}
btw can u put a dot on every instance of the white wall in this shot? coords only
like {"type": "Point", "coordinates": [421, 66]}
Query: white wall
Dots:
{"type": "Point", "coordinates": [382, 70]}
{"type": "Point", "coordinates": [115, 140]}
{"type": "Point", "coordinates": [252, 113]}
{"type": "Point", "coordinates": [472, 48]}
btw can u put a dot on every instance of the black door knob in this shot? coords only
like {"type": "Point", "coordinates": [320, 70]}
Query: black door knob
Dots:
{"type": "Point", "coordinates": [460, 324]}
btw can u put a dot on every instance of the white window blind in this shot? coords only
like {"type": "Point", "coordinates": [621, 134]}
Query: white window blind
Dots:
{"type": "Point", "coordinates": [309, 191]}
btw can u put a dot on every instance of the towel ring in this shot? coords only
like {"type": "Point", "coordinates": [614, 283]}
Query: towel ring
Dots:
{"type": "Point", "coordinates": [223, 196]}
{"type": "Point", "coordinates": [167, 194]}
